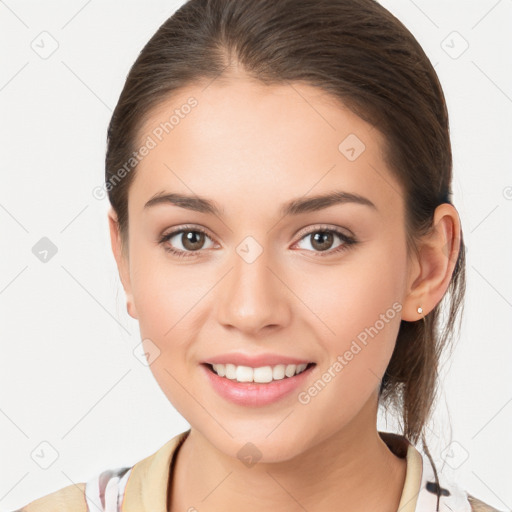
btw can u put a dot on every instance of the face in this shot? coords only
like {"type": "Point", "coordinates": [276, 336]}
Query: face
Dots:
{"type": "Point", "coordinates": [323, 283]}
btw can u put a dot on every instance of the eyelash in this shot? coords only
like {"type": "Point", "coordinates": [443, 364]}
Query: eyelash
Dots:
{"type": "Point", "coordinates": [348, 241]}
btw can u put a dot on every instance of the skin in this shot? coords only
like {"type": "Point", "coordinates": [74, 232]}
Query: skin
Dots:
{"type": "Point", "coordinates": [250, 148]}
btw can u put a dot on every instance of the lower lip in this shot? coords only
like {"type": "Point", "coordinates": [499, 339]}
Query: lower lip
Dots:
{"type": "Point", "coordinates": [253, 393]}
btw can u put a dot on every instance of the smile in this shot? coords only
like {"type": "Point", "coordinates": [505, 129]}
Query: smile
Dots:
{"type": "Point", "coordinates": [250, 391]}
{"type": "Point", "coordinates": [262, 375]}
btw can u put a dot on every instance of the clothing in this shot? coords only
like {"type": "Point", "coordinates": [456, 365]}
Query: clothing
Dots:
{"type": "Point", "coordinates": [143, 487]}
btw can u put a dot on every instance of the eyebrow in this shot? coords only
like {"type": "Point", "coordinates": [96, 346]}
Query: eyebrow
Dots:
{"type": "Point", "coordinates": [293, 207]}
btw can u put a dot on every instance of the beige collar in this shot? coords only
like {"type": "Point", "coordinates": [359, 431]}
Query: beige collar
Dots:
{"type": "Point", "coordinates": [401, 447]}
{"type": "Point", "coordinates": [146, 489]}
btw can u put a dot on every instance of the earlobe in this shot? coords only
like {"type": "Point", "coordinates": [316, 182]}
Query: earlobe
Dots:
{"type": "Point", "coordinates": [122, 262]}
{"type": "Point", "coordinates": [130, 308]}
{"type": "Point", "coordinates": [438, 253]}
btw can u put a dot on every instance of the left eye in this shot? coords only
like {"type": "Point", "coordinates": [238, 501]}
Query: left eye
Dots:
{"type": "Point", "coordinates": [322, 240]}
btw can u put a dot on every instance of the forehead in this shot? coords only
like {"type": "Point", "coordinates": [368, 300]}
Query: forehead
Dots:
{"type": "Point", "coordinates": [246, 140]}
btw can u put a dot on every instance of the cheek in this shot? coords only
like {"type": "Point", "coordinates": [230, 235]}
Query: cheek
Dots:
{"type": "Point", "coordinates": [360, 314]}
{"type": "Point", "coordinates": [166, 294]}
{"type": "Point", "coordinates": [167, 298]}
{"type": "Point", "coordinates": [172, 303]}
{"type": "Point", "coordinates": [353, 294]}
{"type": "Point", "coordinates": [357, 306]}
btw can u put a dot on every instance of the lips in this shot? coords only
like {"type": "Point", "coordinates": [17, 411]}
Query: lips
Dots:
{"type": "Point", "coordinates": [255, 361]}
{"type": "Point", "coordinates": [253, 394]}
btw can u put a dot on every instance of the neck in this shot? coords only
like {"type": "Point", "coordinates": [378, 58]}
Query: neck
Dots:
{"type": "Point", "coordinates": [352, 470]}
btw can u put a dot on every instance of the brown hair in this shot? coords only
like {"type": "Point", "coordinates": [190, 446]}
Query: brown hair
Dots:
{"type": "Point", "coordinates": [361, 54]}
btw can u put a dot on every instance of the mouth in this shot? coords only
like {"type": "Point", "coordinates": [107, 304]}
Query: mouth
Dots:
{"type": "Point", "coordinates": [260, 375]}
{"type": "Point", "coordinates": [256, 387]}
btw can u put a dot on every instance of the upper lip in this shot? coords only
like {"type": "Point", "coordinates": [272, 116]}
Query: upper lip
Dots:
{"type": "Point", "coordinates": [254, 361]}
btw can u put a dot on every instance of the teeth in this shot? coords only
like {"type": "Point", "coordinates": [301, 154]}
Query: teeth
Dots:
{"type": "Point", "coordinates": [261, 375]}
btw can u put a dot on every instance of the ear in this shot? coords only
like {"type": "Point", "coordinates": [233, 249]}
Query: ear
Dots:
{"type": "Point", "coordinates": [430, 273]}
{"type": "Point", "coordinates": [122, 261]}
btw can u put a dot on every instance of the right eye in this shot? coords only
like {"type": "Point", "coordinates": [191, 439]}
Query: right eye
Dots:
{"type": "Point", "coordinates": [191, 240]}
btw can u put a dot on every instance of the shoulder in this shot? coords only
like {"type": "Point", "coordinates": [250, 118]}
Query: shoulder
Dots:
{"type": "Point", "coordinates": [451, 496]}
{"type": "Point", "coordinates": [479, 506]}
{"type": "Point", "coordinates": [427, 488]}
{"type": "Point", "coordinates": [71, 497]}
{"type": "Point", "coordinates": [102, 492]}
{"type": "Point", "coordinates": [145, 481]}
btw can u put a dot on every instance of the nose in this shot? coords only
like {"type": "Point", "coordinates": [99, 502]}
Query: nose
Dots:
{"type": "Point", "coordinates": [253, 297]}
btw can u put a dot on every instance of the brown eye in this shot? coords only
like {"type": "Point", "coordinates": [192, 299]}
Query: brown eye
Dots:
{"type": "Point", "coordinates": [322, 240]}
{"type": "Point", "coordinates": [185, 242]}
{"type": "Point", "coordinates": [192, 240]}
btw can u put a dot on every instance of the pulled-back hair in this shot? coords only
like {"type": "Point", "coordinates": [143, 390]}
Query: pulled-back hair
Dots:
{"type": "Point", "coordinates": [359, 53]}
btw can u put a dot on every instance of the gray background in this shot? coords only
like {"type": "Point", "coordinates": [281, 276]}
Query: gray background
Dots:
{"type": "Point", "coordinates": [74, 397]}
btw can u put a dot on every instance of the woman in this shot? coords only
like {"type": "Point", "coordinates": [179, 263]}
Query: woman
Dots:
{"type": "Point", "coordinates": [280, 180]}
